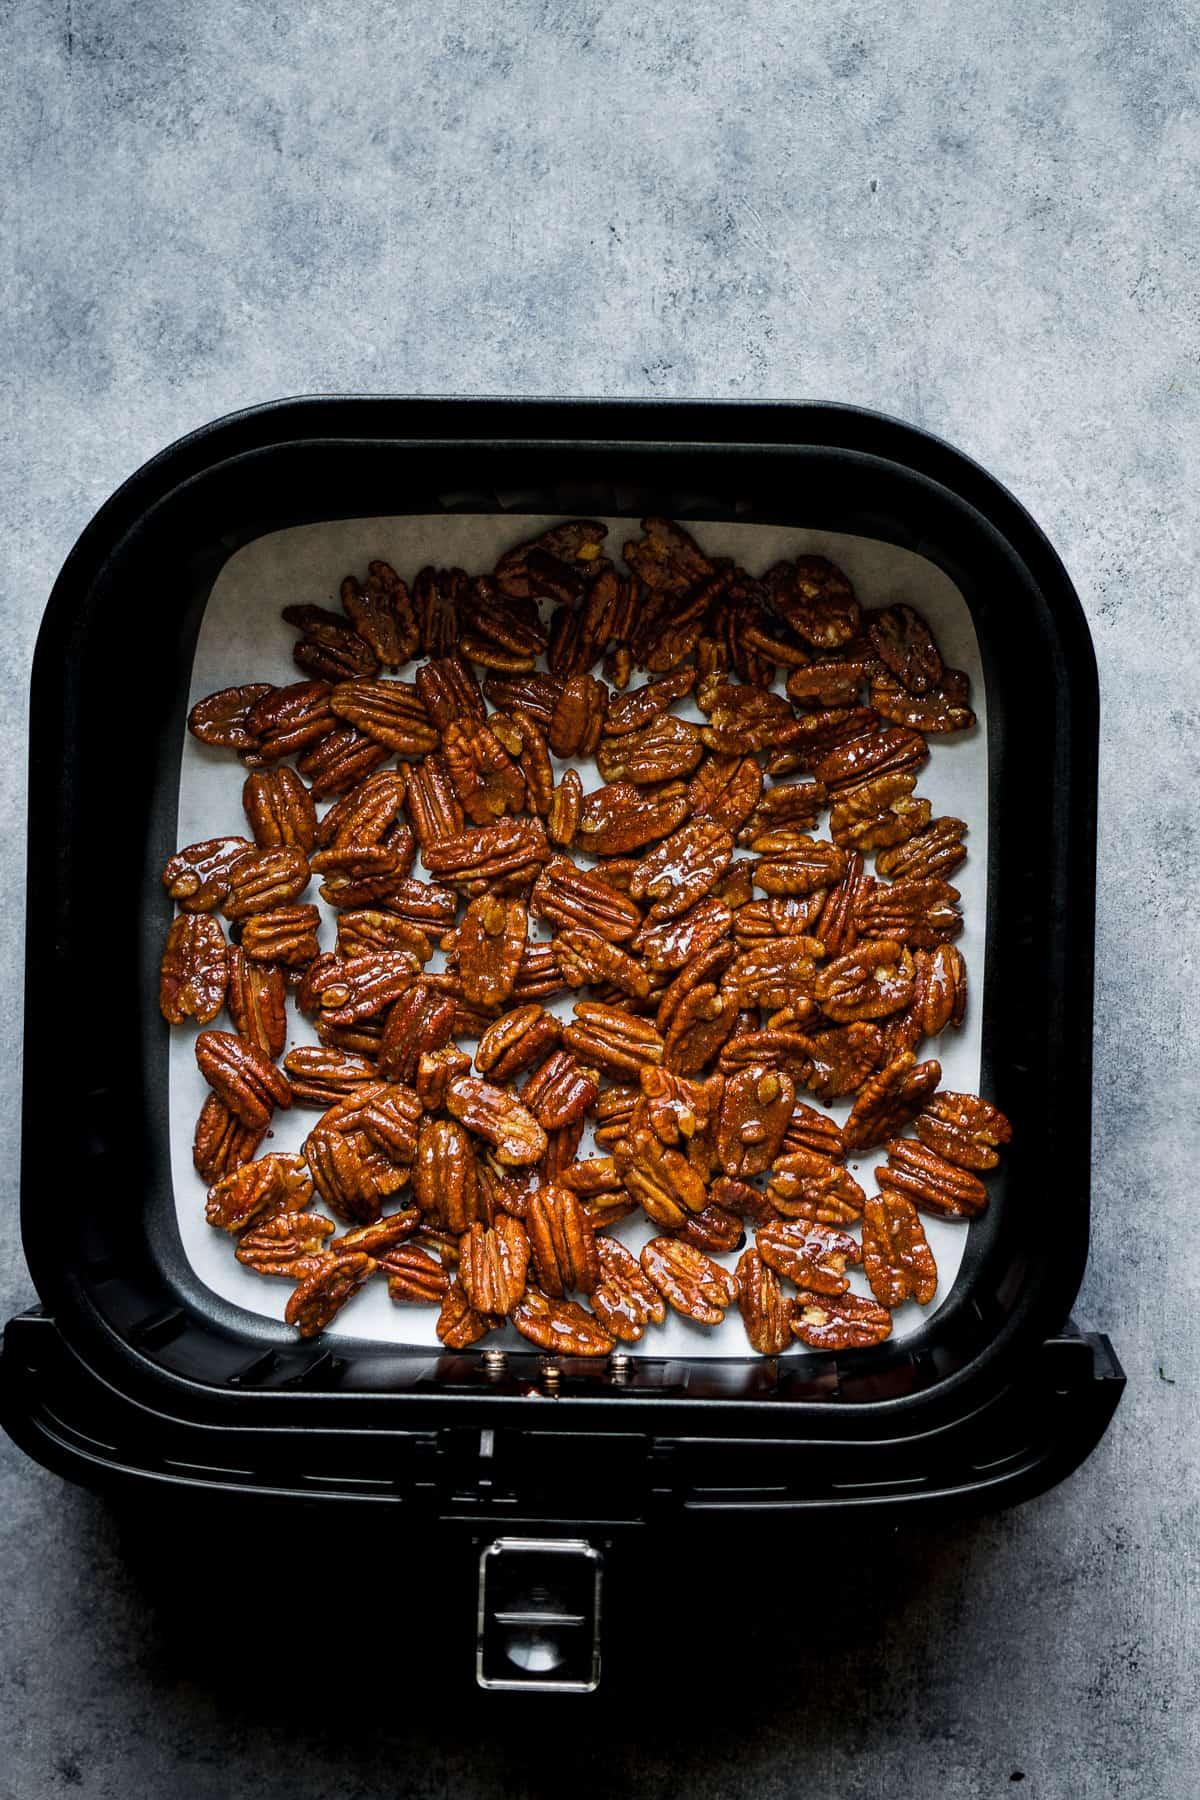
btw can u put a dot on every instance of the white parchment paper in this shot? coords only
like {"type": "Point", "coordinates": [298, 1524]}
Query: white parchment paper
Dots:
{"type": "Point", "coordinates": [242, 638]}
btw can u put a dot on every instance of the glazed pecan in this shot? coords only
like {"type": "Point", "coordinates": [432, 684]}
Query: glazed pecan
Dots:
{"type": "Point", "coordinates": [766, 1314]}
{"type": "Point", "coordinates": [635, 710]}
{"type": "Point", "coordinates": [280, 810]}
{"type": "Point", "coordinates": [449, 690]}
{"type": "Point", "coordinates": [500, 632]}
{"type": "Point", "coordinates": [814, 1256]}
{"type": "Point", "coordinates": [623, 817]}
{"type": "Point", "coordinates": [904, 643]}
{"type": "Point", "coordinates": [486, 780]}
{"type": "Point", "coordinates": [568, 896]}
{"type": "Point", "coordinates": [787, 916]}
{"type": "Point", "coordinates": [755, 1108]}
{"type": "Point", "coordinates": [712, 1229]}
{"type": "Point", "coordinates": [489, 854]}
{"type": "Point", "coordinates": [775, 972]}
{"type": "Point", "coordinates": [839, 1322]}
{"type": "Point", "coordinates": [516, 1041]}
{"type": "Point", "coordinates": [577, 719]}
{"type": "Point", "coordinates": [963, 1129]}
{"type": "Point", "coordinates": [671, 943]}
{"type": "Point", "coordinates": [444, 1176]}
{"type": "Point", "coordinates": [319, 1298]}
{"type": "Point", "coordinates": [688, 1280]}
{"type": "Point", "coordinates": [667, 559]}
{"type": "Point", "coordinates": [661, 751]}
{"type": "Point", "coordinates": [329, 647]}
{"type": "Point", "coordinates": [663, 1181]}
{"type": "Point", "coordinates": [437, 594]}
{"type": "Point", "coordinates": [356, 875]}
{"type": "Point", "coordinates": [351, 1175]}
{"type": "Point", "coordinates": [891, 750]}
{"type": "Point", "coordinates": [624, 1300]}
{"type": "Point", "coordinates": [271, 1185]}
{"type": "Point", "coordinates": [683, 869]}
{"type": "Point", "coordinates": [823, 685]}
{"type": "Point", "coordinates": [562, 1243]}
{"type": "Point", "coordinates": [488, 947]}
{"type": "Point", "coordinates": [565, 809]}
{"type": "Point", "coordinates": [320, 1078]}
{"type": "Point", "coordinates": [493, 1261]}
{"type": "Point", "coordinates": [242, 1076]}
{"type": "Point", "coordinates": [614, 1115]}
{"type": "Point", "coordinates": [222, 1143]}
{"type": "Point", "coordinates": [836, 1062]}
{"type": "Point", "coordinates": [380, 1238]}
{"type": "Point", "coordinates": [389, 712]}
{"type": "Point", "coordinates": [419, 1021]}
{"type": "Point", "coordinates": [370, 931]}
{"type": "Point", "coordinates": [414, 1277]}
{"type": "Point", "coordinates": [817, 735]}
{"type": "Point", "coordinates": [263, 880]}
{"type": "Point", "coordinates": [431, 802]}
{"type": "Point", "coordinates": [888, 1101]}
{"type": "Point", "coordinates": [194, 972]}
{"type": "Point", "coordinates": [870, 982]}
{"type": "Point", "coordinates": [809, 1129]}
{"type": "Point", "coordinates": [806, 1185]}
{"type": "Point", "coordinates": [458, 1324]}
{"type": "Point", "coordinates": [546, 563]}
{"type": "Point", "coordinates": [815, 600]}
{"type": "Point", "coordinates": [436, 1070]}
{"type": "Point", "coordinates": [935, 852]}
{"type": "Point", "coordinates": [586, 959]}
{"type": "Point", "coordinates": [562, 1147]}
{"type": "Point", "coordinates": [561, 1327]}
{"type": "Point", "coordinates": [837, 922]}
{"type": "Point", "coordinates": [683, 1112]}
{"type": "Point", "coordinates": [560, 1093]}
{"type": "Point", "coordinates": [703, 969]}
{"type": "Point", "coordinates": [726, 789]}
{"type": "Point", "coordinates": [285, 1244]}
{"type": "Point", "coordinates": [348, 992]}
{"type": "Point", "coordinates": [608, 1039]}
{"type": "Point", "coordinates": [742, 1199]}
{"type": "Point", "coordinates": [499, 1119]}
{"type": "Point", "coordinates": [699, 1027]}
{"type": "Point", "coordinates": [198, 877]}
{"type": "Point", "coordinates": [920, 913]}
{"type": "Point", "coordinates": [288, 720]}
{"type": "Point", "coordinates": [796, 865]}
{"type": "Point", "coordinates": [386, 1114]}
{"type": "Point", "coordinates": [743, 719]}
{"type": "Point", "coordinates": [793, 806]}
{"type": "Point", "coordinates": [897, 1259]}
{"type": "Point", "coordinates": [257, 1001]}
{"type": "Point", "coordinates": [222, 719]}
{"type": "Point", "coordinates": [536, 694]}
{"type": "Point", "coordinates": [340, 761]}
{"type": "Point", "coordinates": [382, 614]}
{"type": "Point", "coordinates": [879, 813]}
{"type": "Point", "coordinates": [930, 1182]}
{"type": "Point", "coordinates": [538, 975]}
{"type": "Point", "coordinates": [941, 710]}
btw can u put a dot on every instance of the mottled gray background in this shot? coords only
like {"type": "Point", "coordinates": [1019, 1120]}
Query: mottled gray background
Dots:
{"type": "Point", "coordinates": [978, 216]}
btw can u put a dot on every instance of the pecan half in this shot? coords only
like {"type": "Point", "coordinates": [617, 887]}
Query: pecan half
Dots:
{"type": "Point", "coordinates": [839, 1322]}
{"type": "Point", "coordinates": [381, 1237]}
{"type": "Point", "coordinates": [671, 943]}
{"type": "Point", "coordinates": [930, 1182]}
{"type": "Point", "coordinates": [963, 1129]}
{"type": "Point", "coordinates": [391, 713]}
{"type": "Point", "coordinates": [562, 1327]}
{"type": "Point", "coordinates": [889, 1100]}
{"type": "Point", "coordinates": [726, 789]}
{"type": "Point", "coordinates": [458, 1324]}
{"type": "Point", "coordinates": [921, 913]}
{"type": "Point", "coordinates": [937, 851]}
{"type": "Point", "coordinates": [879, 813]}
{"type": "Point", "coordinates": [667, 559]}
{"type": "Point", "coordinates": [257, 1001]}
{"type": "Point", "coordinates": [431, 802]}
{"type": "Point", "coordinates": [318, 1299]}
{"type": "Point", "coordinates": [586, 959]}
{"type": "Point", "coordinates": [624, 1300]}
{"type": "Point", "coordinates": [421, 1020]}
{"type": "Point", "coordinates": [755, 1108]}
{"type": "Point", "coordinates": [551, 564]}
{"type": "Point", "coordinates": [942, 709]}
{"type": "Point", "coordinates": [489, 854]}
{"type": "Point", "coordinates": [262, 880]}
{"type": "Point", "coordinates": [806, 1185]}
{"type": "Point", "coordinates": [386, 1114]}
{"type": "Point", "coordinates": [892, 750]}
{"type": "Point", "coordinates": [243, 1077]}
{"type": "Point", "coordinates": [700, 1026]}
{"type": "Point", "coordinates": [499, 1119]}
{"type": "Point", "coordinates": [775, 972]}
{"type": "Point", "coordinates": [623, 817]}
{"type": "Point", "coordinates": [814, 1256]}
{"type": "Point", "coordinates": [414, 1277]}
{"type": "Point", "coordinates": [815, 600]}
{"type": "Point", "coordinates": [382, 614]}
{"type": "Point", "coordinates": [905, 645]}
{"type": "Point", "coordinates": [347, 992]}
{"type": "Point", "coordinates": [489, 945]}
{"type": "Point", "coordinates": [569, 896]}
{"type": "Point", "coordinates": [272, 1184]}
{"type": "Point", "coordinates": [280, 810]}
{"type": "Point", "coordinates": [222, 1143]}
{"type": "Point", "coordinates": [492, 1265]}
{"type": "Point", "coordinates": [688, 1280]}
{"type": "Point", "coordinates": [198, 877]}
{"type": "Point", "coordinates": [351, 1175]}
{"type": "Point", "coordinates": [766, 1314]}
{"type": "Point", "coordinates": [444, 1180]}
{"type": "Point", "coordinates": [562, 1243]}
{"type": "Point", "coordinates": [285, 1244]}
{"type": "Point", "coordinates": [608, 1039]}
{"type": "Point", "coordinates": [194, 972]}
{"type": "Point", "coordinates": [370, 931]}
{"type": "Point", "coordinates": [663, 1181]}
{"type": "Point", "coordinates": [870, 982]}
{"type": "Point", "coordinates": [436, 1070]}
{"type": "Point", "coordinates": [222, 719]}
{"type": "Point", "coordinates": [799, 867]}
{"type": "Point", "coordinates": [340, 761]}
{"type": "Point", "coordinates": [330, 647]}
{"type": "Point", "coordinates": [560, 1093]}
{"type": "Point", "coordinates": [356, 875]}
{"type": "Point", "coordinates": [487, 781]}
{"type": "Point", "coordinates": [744, 719]}
{"type": "Point", "coordinates": [837, 922]}
{"type": "Point", "coordinates": [682, 869]}
{"type": "Point", "coordinates": [565, 809]}
{"type": "Point", "coordinates": [683, 1112]}
{"type": "Point", "coordinates": [286, 934]}
{"type": "Point", "coordinates": [577, 719]}
{"type": "Point", "coordinates": [516, 1042]}
{"type": "Point", "coordinates": [661, 751]}
{"type": "Point", "coordinates": [320, 1077]}
{"type": "Point", "coordinates": [896, 1257]}
{"type": "Point", "coordinates": [288, 720]}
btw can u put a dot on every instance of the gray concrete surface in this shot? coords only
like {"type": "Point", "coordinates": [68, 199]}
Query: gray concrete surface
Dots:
{"type": "Point", "coordinates": [980, 216]}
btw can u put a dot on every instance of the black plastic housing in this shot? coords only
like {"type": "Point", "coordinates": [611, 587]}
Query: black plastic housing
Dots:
{"type": "Point", "coordinates": [133, 1371]}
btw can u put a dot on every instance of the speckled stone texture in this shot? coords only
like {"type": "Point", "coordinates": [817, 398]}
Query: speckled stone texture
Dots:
{"type": "Point", "coordinates": [978, 216]}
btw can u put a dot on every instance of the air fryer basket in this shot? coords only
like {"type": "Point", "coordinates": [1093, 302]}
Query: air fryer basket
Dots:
{"type": "Point", "coordinates": [132, 1367]}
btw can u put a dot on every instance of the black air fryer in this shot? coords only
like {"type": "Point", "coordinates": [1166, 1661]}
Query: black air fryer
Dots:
{"type": "Point", "coordinates": [130, 1374]}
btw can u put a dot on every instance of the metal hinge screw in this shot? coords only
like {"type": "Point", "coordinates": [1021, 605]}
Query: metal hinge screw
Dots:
{"type": "Point", "coordinates": [495, 1362]}
{"type": "Point", "coordinates": [620, 1367]}
{"type": "Point", "coordinates": [551, 1375]}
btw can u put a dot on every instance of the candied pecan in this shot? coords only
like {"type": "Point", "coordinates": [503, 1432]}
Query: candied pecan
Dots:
{"type": "Point", "coordinates": [423, 904]}
{"type": "Point", "coordinates": [682, 869]}
{"type": "Point", "coordinates": [340, 761]}
{"type": "Point", "coordinates": [817, 735]}
{"type": "Point", "coordinates": [614, 1115]}
{"type": "Point", "coordinates": [499, 1119]}
{"type": "Point", "coordinates": [608, 1039]}
{"type": "Point", "coordinates": [330, 647]}
{"type": "Point", "coordinates": [444, 1180]}
{"type": "Point", "coordinates": [562, 1243]}
{"type": "Point", "coordinates": [194, 972]}
{"type": "Point", "coordinates": [287, 720]}
{"type": "Point", "coordinates": [366, 931]}
{"type": "Point", "coordinates": [536, 694]}
{"type": "Point", "coordinates": [825, 685]}
{"type": "Point", "coordinates": [663, 1181]}
{"type": "Point", "coordinates": [436, 1070]}
{"type": "Point", "coordinates": [667, 558]}
{"type": "Point", "coordinates": [516, 1041]}
{"type": "Point", "coordinates": [624, 1301]}
{"type": "Point", "coordinates": [349, 991]}
{"type": "Point", "coordinates": [888, 1101]}
{"type": "Point", "coordinates": [286, 934]}
{"type": "Point", "coordinates": [458, 1324]}
{"type": "Point", "coordinates": [869, 982]}
{"type": "Point", "coordinates": [320, 1078]}
{"type": "Point", "coordinates": [577, 541]}
{"type": "Point", "coordinates": [449, 690]}
{"type": "Point", "coordinates": [198, 877]}
{"type": "Point", "coordinates": [569, 896]}
{"type": "Point", "coordinates": [565, 809]}
{"type": "Point", "coordinates": [243, 1077]}
{"type": "Point", "coordinates": [699, 1026]}
{"type": "Point", "coordinates": [262, 880]}
{"type": "Point", "coordinates": [385, 1113]}
{"type": "Point", "coordinates": [433, 806]}
{"type": "Point", "coordinates": [358, 1040]}
{"type": "Point", "coordinates": [804, 865]}
{"type": "Point", "coordinates": [500, 632]}
{"type": "Point", "coordinates": [485, 778]}
{"type": "Point", "coordinates": [712, 1229]}
{"type": "Point", "coordinates": [755, 1108]}
{"type": "Point", "coordinates": [942, 709]}
{"type": "Point", "coordinates": [904, 643]}
{"type": "Point", "coordinates": [660, 751]}
{"type": "Point", "coordinates": [684, 1112]}
{"type": "Point", "coordinates": [420, 1020]}
{"type": "Point", "coordinates": [736, 885]}
{"type": "Point", "coordinates": [766, 1314]}
{"type": "Point", "coordinates": [780, 916]}
{"type": "Point", "coordinates": [633, 711]}
{"type": "Point", "coordinates": [594, 1176]}
{"type": "Point", "coordinates": [839, 1321]}
{"type": "Point", "coordinates": [378, 1238]}
{"type": "Point", "coordinates": [493, 1260]}
{"type": "Point", "coordinates": [815, 599]}
{"type": "Point", "coordinates": [538, 975]}
{"type": "Point", "coordinates": [577, 719]}
{"type": "Point", "coordinates": [272, 1184]}
{"type": "Point", "coordinates": [222, 1143]}
{"type": "Point", "coordinates": [891, 750]}
{"type": "Point", "coordinates": [382, 614]}
{"type": "Point", "coordinates": [814, 1256]}
{"type": "Point", "coordinates": [837, 922]}
{"type": "Point", "coordinates": [436, 597]}
{"type": "Point", "coordinates": [562, 1327]}
{"type": "Point", "coordinates": [896, 1257]}
{"type": "Point", "coordinates": [911, 911]}
{"type": "Point", "coordinates": [488, 853]}
{"type": "Point", "coordinates": [932, 1183]}
{"type": "Point", "coordinates": [356, 874]}
{"type": "Point", "coordinates": [388, 712]}
{"type": "Point", "coordinates": [775, 972]}
{"type": "Point", "coordinates": [318, 1299]}
{"type": "Point", "coordinates": [742, 1199]}
{"type": "Point", "coordinates": [562, 1146]}
{"type": "Point", "coordinates": [585, 958]}
{"type": "Point", "coordinates": [522, 738]}
{"type": "Point", "coordinates": [285, 1244]}
{"type": "Point", "coordinates": [223, 718]}
{"type": "Point", "coordinates": [809, 1129]}
{"type": "Point", "coordinates": [743, 719]}
{"type": "Point", "coordinates": [879, 813]}
{"type": "Point", "coordinates": [963, 1129]}
{"type": "Point", "coordinates": [560, 1092]}
{"type": "Point", "coordinates": [257, 1002]}
{"type": "Point", "coordinates": [351, 1175]}
{"type": "Point", "coordinates": [688, 1280]}
{"type": "Point", "coordinates": [935, 852]}
{"type": "Point", "coordinates": [489, 943]}
{"type": "Point", "coordinates": [415, 1277]}
{"type": "Point", "coordinates": [280, 810]}
{"type": "Point", "coordinates": [805, 1185]}
{"type": "Point", "coordinates": [668, 944]}
{"type": "Point", "coordinates": [622, 817]}
{"type": "Point", "coordinates": [793, 806]}
{"type": "Point", "coordinates": [725, 789]}
{"type": "Point", "coordinates": [836, 1062]}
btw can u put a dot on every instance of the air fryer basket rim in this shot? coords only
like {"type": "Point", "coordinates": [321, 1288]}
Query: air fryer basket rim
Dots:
{"type": "Point", "coordinates": [689, 431]}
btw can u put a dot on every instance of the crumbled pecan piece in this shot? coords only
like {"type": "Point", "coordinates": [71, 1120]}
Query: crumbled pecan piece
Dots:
{"type": "Point", "coordinates": [964, 1130]}
{"type": "Point", "coordinates": [688, 1280]}
{"type": "Point", "coordinates": [815, 600]}
{"type": "Point", "coordinates": [280, 810]}
{"type": "Point", "coordinates": [896, 1256]}
{"type": "Point", "coordinates": [932, 1183]}
{"type": "Point", "coordinates": [814, 1256]}
{"type": "Point", "coordinates": [272, 1184]}
{"type": "Point", "coordinates": [936, 851]}
{"type": "Point", "coordinates": [493, 1261]}
{"type": "Point", "coordinates": [320, 1297]}
{"type": "Point", "coordinates": [624, 1301]}
{"type": "Point", "coordinates": [499, 1119]}
{"type": "Point", "coordinates": [839, 1322]}
{"type": "Point", "coordinates": [194, 972]}
{"type": "Point", "coordinates": [623, 817]}
{"type": "Point", "coordinates": [244, 1078]}
{"type": "Point", "coordinates": [222, 1143]}
{"type": "Point", "coordinates": [905, 645]}
{"type": "Point", "coordinates": [389, 712]}
{"type": "Point", "coordinates": [223, 719]}
{"type": "Point", "coordinates": [766, 1313]}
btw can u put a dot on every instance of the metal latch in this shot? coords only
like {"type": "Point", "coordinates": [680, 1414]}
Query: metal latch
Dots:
{"type": "Point", "coordinates": [538, 1619]}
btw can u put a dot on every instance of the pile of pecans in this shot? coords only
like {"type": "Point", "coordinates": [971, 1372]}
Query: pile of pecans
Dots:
{"type": "Point", "coordinates": [727, 957]}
